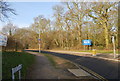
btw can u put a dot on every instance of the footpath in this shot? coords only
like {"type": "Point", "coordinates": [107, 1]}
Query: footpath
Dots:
{"type": "Point", "coordinates": [43, 69]}
{"type": "Point", "coordinates": [105, 56]}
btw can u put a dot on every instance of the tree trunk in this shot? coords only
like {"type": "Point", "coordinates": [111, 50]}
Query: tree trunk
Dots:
{"type": "Point", "coordinates": [79, 35]}
{"type": "Point", "coordinates": [106, 36]}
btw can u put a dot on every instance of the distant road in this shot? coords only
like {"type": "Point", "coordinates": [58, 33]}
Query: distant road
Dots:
{"type": "Point", "coordinates": [107, 69]}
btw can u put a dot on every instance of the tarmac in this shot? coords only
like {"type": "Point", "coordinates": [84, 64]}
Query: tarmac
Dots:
{"type": "Point", "coordinates": [92, 63]}
{"type": "Point", "coordinates": [105, 56]}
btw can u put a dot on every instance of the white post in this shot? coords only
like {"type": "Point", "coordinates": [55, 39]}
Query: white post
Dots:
{"type": "Point", "coordinates": [13, 76]}
{"type": "Point", "coordinates": [19, 75]}
{"type": "Point", "coordinates": [113, 46]}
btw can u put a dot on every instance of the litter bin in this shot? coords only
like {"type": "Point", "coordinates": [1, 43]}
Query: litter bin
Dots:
{"type": "Point", "coordinates": [94, 52]}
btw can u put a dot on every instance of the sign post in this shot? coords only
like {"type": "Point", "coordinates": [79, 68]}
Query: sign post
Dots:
{"type": "Point", "coordinates": [3, 40]}
{"type": "Point", "coordinates": [14, 70]}
{"type": "Point", "coordinates": [86, 42]}
{"type": "Point", "coordinates": [113, 40]}
{"type": "Point", "coordinates": [39, 44]}
{"type": "Point", "coordinates": [39, 41]}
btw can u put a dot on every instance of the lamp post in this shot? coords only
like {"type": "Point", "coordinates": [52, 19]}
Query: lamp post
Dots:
{"type": "Point", "coordinates": [39, 34]}
{"type": "Point", "coordinates": [39, 41]}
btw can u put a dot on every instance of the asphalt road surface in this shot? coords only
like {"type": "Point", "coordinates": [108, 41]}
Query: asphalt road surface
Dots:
{"type": "Point", "coordinates": [106, 69]}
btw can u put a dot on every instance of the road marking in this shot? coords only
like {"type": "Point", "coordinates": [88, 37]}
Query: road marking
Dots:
{"type": "Point", "coordinates": [95, 75]}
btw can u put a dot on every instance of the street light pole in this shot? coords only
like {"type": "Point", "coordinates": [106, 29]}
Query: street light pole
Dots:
{"type": "Point", "coordinates": [39, 41]}
{"type": "Point", "coordinates": [39, 36]}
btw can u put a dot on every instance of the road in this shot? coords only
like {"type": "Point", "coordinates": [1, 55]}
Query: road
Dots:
{"type": "Point", "coordinates": [106, 69]}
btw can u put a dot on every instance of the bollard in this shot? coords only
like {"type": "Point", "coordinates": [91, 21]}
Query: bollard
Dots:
{"type": "Point", "coordinates": [94, 52]}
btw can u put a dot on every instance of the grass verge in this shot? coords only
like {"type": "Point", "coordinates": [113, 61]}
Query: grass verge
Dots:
{"type": "Point", "coordinates": [58, 62]}
{"type": "Point", "coordinates": [100, 51]}
{"type": "Point", "coordinates": [13, 59]}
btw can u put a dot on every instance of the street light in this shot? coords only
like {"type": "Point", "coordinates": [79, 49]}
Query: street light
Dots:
{"type": "Point", "coordinates": [39, 37]}
{"type": "Point", "coordinates": [39, 41]}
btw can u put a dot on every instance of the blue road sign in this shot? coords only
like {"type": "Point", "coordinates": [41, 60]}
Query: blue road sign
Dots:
{"type": "Point", "coordinates": [39, 39]}
{"type": "Point", "coordinates": [3, 40]}
{"type": "Point", "coordinates": [86, 42]}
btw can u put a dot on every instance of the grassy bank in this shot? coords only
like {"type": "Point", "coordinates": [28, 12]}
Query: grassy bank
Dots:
{"type": "Point", "coordinates": [13, 59]}
{"type": "Point", "coordinates": [100, 51]}
{"type": "Point", "coordinates": [90, 51]}
{"type": "Point", "coordinates": [58, 62]}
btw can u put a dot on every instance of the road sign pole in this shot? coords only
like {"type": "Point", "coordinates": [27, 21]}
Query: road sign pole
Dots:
{"type": "Point", "coordinates": [13, 76]}
{"type": "Point", "coordinates": [86, 43]}
{"type": "Point", "coordinates": [113, 40]}
{"type": "Point", "coordinates": [19, 75]}
{"type": "Point", "coordinates": [39, 41]}
{"type": "Point", "coordinates": [84, 47]}
{"type": "Point", "coordinates": [39, 47]}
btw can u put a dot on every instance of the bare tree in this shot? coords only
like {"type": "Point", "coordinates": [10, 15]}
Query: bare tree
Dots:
{"type": "Point", "coordinates": [9, 29]}
{"type": "Point", "coordinates": [101, 13]}
{"type": "Point", "coordinates": [59, 24]}
{"type": "Point", "coordinates": [76, 22]}
{"type": "Point", "coordinates": [26, 37]}
{"type": "Point", "coordinates": [5, 10]}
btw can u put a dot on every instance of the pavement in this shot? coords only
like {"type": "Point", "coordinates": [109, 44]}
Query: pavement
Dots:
{"type": "Point", "coordinates": [43, 69]}
{"type": "Point", "coordinates": [108, 56]}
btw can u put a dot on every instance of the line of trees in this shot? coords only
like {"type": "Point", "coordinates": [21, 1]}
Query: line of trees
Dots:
{"type": "Point", "coordinates": [72, 23]}
{"type": "Point", "coordinates": [19, 38]}
{"type": "Point", "coordinates": [76, 21]}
